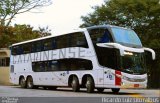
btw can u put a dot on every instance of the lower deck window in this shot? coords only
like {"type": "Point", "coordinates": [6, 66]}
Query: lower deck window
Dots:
{"type": "Point", "coordinates": [62, 65]}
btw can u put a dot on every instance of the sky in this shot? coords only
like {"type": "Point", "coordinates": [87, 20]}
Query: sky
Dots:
{"type": "Point", "coordinates": [62, 16]}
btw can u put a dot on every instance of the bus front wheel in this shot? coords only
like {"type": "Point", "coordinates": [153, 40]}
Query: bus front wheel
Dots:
{"type": "Point", "coordinates": [75, 84]}
{"type": "Point", "coordinates": [30, 83]}
{"type": "Point", "coordinates": [52, 88]}
{"type": "Point", "coordinates": [90, 85]}
{"type": "Point", "coordinates": [115, 90]}
{"type": "Point", "coordinates": [100, 90]}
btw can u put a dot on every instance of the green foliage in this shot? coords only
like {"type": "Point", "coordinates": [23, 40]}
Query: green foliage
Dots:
{"type": "Point", "coordinates": [44, 31]}
{"type": "Point", "coordinates": [10, 8]}
{"type": "Point", "coordinates": [19, 33]}
{"type": "Point", "coordinates": [24, 32]}
{"type": "Point", "coordinates": [141, 15]}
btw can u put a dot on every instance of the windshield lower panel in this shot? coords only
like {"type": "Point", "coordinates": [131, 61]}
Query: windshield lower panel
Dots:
{"type": "Point", "coordinates": [133, 63]}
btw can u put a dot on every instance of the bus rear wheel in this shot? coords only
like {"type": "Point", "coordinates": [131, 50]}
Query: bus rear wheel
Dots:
{"type": "Point", "coordinates": [90, 85]}
{"type": "Point", "coordinates": [30, 83]}
{"type": "Point", "coordinates": [22, 82]}
{"type": "Point", "coordinates": [75, 84]}
{"type": "Point", "coordinates": [115, 90]}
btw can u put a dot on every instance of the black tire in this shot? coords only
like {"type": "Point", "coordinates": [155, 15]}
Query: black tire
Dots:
{"type": "Point", "coordinates": [45, 88]}
{"type": "Point", "coordinates": [100, 90]}
{"type": "Point", "coordinates": [75, 84]}
{"type": "Point", "coordinates": [115, 90]}
{"type": "Point", "coordinates": [35, 87]}
{"type": "Point", "coordinates": [52, 88]}
{"type": "Point", "coordinates": [22, 82]}
{"type": "Point", "coordinates": [90, 85]}
{"type": "Point", "coordinates": [30, 84]}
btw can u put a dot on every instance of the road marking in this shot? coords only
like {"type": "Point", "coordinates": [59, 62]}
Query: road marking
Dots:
{"type": "Point", "coordinates": [141, 97]}
{"type": "Point", "coordinates": [157, 92]}
{"type": "Point", "coordinates": [137, 96]}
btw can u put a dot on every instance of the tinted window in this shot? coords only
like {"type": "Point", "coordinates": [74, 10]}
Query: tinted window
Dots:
{"type": "Point", "coordinates": [54, 43]}
{"type": "Point", "coordinates": [107, 57]}
{"type": "Point", "coordinates": [53, 66]}
{"type": "Point", "coordinates": [62, 41]}
{"type": "Point", "coordinates": [33, 47]}
{"type": "Point", "coordinates": [38, 67]}
{"type": "Point", "coordinates": [78, 40]}
{"type": "Point", "coordinates": [17, 50]}
{"type": "Point", "coordinates": [47, 44]}
{"type": "Point", "coordinates": [100, 36]}
{"type": "Point", "coordinates": [69, 40]}
{"type": "Point", "coordinates": [14, 50]}
{"type": "Point", "coordinates": [62, 65]}
{"type": "Point", "coordinates": [79, 64]}
{"type": "Point", "coordinates": [20, 50]}
{"type": "Point", "coordinates": [45, 66]}
{"type": "Point", "coordinates": [27, 48]}
{"type": "Point", "coordinates": [38, 46]}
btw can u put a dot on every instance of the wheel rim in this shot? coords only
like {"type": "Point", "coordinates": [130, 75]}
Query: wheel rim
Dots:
{"type": "Point", "coordinates": [22, 83]}
{"type": "Point", "coordinates": [88, 84]}
{"type": "Point", "coordinates": [73, 84]}
{"type": "Point", "coordinates": [30, 83]}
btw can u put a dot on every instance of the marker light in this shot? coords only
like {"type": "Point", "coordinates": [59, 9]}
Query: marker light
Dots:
{"type": "Point", "coordinates": [128, 53]}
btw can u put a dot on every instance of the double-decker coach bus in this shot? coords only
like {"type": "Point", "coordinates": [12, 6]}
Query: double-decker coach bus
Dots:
{"type": "Point", "coordinates": [98, 57]}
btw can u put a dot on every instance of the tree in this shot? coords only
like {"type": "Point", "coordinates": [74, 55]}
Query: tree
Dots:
{"type": "Point", "coordinates": [10, 8]}
{"type": "Point", "coordinates": [19, 33]}
{"type": "Point", "coordinates": [141, 15]}
{"type": "Point", "coordinates": [44, 31]}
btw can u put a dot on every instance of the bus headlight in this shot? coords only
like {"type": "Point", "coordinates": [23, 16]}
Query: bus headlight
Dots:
{"type": "Point", "coordinates": [128, 79]}
{"type": "Point", "coordinates": [134, 79]}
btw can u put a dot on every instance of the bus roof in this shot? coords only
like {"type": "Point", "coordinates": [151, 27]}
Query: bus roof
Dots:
{"type": "Point", "coordinates": [73, 31]}
{"type": "Point", "coordinates": [42, 38]}
{"type": "Point", "coordinates": [104, 26]}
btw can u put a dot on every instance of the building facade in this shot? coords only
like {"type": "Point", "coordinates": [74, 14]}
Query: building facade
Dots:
{"type": "Point", "coordinates": [4, 66]}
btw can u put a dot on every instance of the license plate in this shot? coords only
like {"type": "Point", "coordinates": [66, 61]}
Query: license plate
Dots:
{"type": "Point", "coordinates": [136, 85]}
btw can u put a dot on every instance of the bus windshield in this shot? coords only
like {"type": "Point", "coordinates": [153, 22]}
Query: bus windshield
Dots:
{"type": "Point", "coordinates": [133, 63]}
{"type": "Point", "coordinates": [126, 37]}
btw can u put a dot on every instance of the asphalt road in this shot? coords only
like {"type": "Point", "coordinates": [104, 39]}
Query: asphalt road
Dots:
{"type": "Point", "coordinates": [12, 93]}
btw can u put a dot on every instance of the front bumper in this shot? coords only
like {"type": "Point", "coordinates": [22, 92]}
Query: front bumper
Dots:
{"type": "Point", "coordinates": [126, 84]}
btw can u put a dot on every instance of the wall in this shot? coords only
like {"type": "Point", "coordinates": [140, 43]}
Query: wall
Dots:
{"type": "Point", "coordinates": [4, 70]}
{"type": "Point", "coordinates": [4, 76]}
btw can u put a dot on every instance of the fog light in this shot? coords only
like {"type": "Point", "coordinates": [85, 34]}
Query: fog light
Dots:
{"type": "Point", "coordinates": [122, 83]}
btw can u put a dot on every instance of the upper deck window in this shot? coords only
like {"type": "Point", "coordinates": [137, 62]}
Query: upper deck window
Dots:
{"type": "Point", "coordinates": [100, 35]}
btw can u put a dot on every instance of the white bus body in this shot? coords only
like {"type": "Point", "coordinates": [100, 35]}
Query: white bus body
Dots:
{"type": "Point", "coordinates": [56, 61]}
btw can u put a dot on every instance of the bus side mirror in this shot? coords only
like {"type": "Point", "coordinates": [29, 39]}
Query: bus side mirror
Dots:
{"type": "Point", "coordinates": [150, 54]}
{"type": "Point", "coordinates": [148, 57]}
